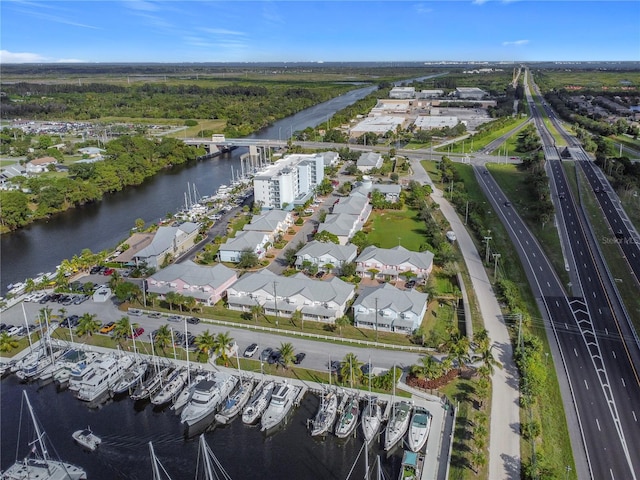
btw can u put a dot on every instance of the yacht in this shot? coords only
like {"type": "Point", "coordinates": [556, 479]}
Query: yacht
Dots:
{"type": "Point", "coordinates": [173, 386]}
{"type": "Point", "coordinates": [151, 385]}
{"type": "Point", "coordinates": [371, 418]}
{"type": "Point", "coordinates": [282, 399]}
{"type": "Point", "coordinates": [87, 439]}
{"type": "Point", "coordinates": [108, 371]}
{"type": "Point", "coordinates": [398, 423]}
{"type": "Point", "coordinates": [67, 360]}
{"type": "Point", "coordinates": [38, 464]}
{"type": "Point", "coordinates": [258, 403]}
{"type": "Point", "coordinates": [236, 402]}
{"type": "Point", "coordinates": [419, 429]}
{"type": "Point", "coordinates": [132, 377]}
{"type": "Point", "coordinates": [80, 371]}
{"type": "Point", "coordinates": [185, 395]}
{"type": "Point", "coordinates": [207, 396]}
{"type": "Point", "coordinates": [326, 415]}
{"type": "Point", "coordinates": [349, 418]}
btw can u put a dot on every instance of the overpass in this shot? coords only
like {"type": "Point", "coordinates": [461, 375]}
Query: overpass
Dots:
{"type": "Point", "coordinates": [218, 144]}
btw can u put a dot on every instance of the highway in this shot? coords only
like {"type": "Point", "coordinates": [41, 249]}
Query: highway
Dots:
{"type": "Point", "coordinates": [595, 346]}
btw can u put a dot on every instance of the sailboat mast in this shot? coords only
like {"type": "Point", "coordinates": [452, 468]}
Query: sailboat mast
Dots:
{"type": "Point", "coordinates": [39, 434]}
{"type": "Point", "coordinates": [154, 463]}
{"type": "Point", "coordinates": [26, 324]}
{"type": "Point", "coordinates": [207, 459]}
{"type": "Point", "coordinates": [186, 347]}
{"type": "Point", "coordinates": [175, 357]}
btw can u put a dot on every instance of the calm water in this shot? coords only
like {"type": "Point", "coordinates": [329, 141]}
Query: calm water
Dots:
{"type": "Point", "coordinates": [126, 427]}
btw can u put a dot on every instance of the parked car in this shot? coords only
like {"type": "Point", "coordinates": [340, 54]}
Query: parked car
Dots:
{"type": "Point", "coordinates": [13, 331]}
{"type": "Point", "coordinates": [95, 269]}
{"type": "Point", "coordinates": [106, 328]}
{"type": "Point", "coordinates": [334, 367]}
{"type": "Point", "coordinates": [193, 320]}
{"type": "Point", "coordinates": [299, 357]}
{"type": "Point", "coordinates": [174, 318]}
{"type": "Point", "coordinates": [137, 332]}
{"type": "Point", "coordinates": [251, 350]}
{"type": "Point", "coordinates": [265, 354]}
{"type": "Point", "coordinates": [44, 299]}
{"type": "Point", "coordinates": [135, 312]}
{"type": "Point", "coordinates": [274, 357]}
{"type": "Point", "coordinates": [410, 284]}
{"type": "Point", "coordinates": [108, 271]}
{"type": "Point", "coordinates": [154, 315]}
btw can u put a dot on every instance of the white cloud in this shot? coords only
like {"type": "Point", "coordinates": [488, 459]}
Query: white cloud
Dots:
{"type": "Point", "coordinates": [20, 57]}
{"type": "Point", "coordinates": [221, 31]}
{"type": "Point", "coordinates": [422, 8]}
{"type": "Point", "coordinates": [515, 43]}
{"type": "Point", "coordinates": [70, 60]}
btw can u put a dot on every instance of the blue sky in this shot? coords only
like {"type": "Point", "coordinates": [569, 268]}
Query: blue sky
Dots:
{"type": "Point", "coordinates": [292, 31]}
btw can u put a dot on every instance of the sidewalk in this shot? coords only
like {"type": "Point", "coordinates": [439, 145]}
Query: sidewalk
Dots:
{"type": "Point", "coordinates": [504, 443]}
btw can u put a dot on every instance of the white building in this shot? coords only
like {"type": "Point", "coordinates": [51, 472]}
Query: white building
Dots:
{"type": "Point", "coordinates": [232, 249]}
{"type": "Point", "coordinates": [402, 92]}
{"type": "Point", "coordinates": [39, 165]}
{"type": "Point", "coordinates": [430, 93]}
{"type": "Point", "coordinates": [470, 93]}
{"type": "Point", "coordinates": [289, 181]}
{"type": "Point", "coordinates": [423, 122]}
{"type": "Point", "coordinates": [368, 161]}
{"type": "Point", "coordinates": [167, 243]}
{"type": "Point", "coordinates": [384, 263]}
{"type": "Point", "coordinates": [322, 254]}
{"type": "Point", "coordinates": [378, 125]}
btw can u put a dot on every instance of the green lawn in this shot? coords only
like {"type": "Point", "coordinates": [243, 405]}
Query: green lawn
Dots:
{"type": "Point", "coordinates": [390, 228]}
{"type": "Point", "coordinates": [481, 140]}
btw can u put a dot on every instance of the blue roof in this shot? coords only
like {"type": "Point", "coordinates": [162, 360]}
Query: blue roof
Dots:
{"type": "Point", "coordinates": [410, 458]}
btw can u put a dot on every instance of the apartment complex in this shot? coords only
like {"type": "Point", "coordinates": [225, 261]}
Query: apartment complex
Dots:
{"type": "Point", "coordinates": [289, 181]}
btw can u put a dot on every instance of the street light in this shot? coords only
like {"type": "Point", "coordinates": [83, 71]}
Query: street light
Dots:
{"type": "Point", "coordinates": [275, 301]}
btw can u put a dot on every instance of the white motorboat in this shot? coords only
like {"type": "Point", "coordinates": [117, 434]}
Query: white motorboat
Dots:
{"type": "Point", "coordinates": [282, 399]}
{"type": "Point", "coordinates": [103, 377]}
{"type": "Point", "coordinates": [87, 439]}
{"type": "Point", "coordinates": [398, 423]}
{"type": "Point", "coordinates": [236, 402]}
{"type": "Point", "coordinates": [326, 415]}
{"type": "Point", "coordinates": [185, 395]}
{"type": "Point", "coordinates": [349, 418]}
{"type": "Point", "coordinates": [371, 418]}
{"type": "Point", "coordinates": [207, 396]}
{"type": "Point", "coordinates": [172, 387]}
{"type": "Point", "coordinates": [132, 377]}
{"type": "Point", "coordinates": [38, 464]}
{"type": "Point", "coordinates": [419, 429]}
{"type": "Point", "coordinates": [80, 371]}
{"type": "Point", "coordinates": [258, 403]}
{"type": "Point", "coordinates": [67, 360]}
{"type": "Point", "coordinates": [151, 385]}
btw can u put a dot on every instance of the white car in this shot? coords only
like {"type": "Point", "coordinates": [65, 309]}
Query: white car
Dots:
{"type": "Point", "coordinates": [14, 331]}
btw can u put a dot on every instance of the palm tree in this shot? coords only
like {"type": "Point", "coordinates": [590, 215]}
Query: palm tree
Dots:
{"type": "Point", "coordinates": [61, 312]}
{"type": "Point", "coordinates": [488, 360]}
{"type": "Point", "coordinates": [7, 342]}
{"type": "Point", "coordinates": [29, 285]}
{"type": "Point", "coordinates": [162, 338]}
{"type": "Point", "coordinates": [295, 317]}
{"type": "Point", "coordinates": [123, 328]}
{"type": "Point", "coordinates": [151, 296]}
{"type": "Point", "coordinates": [350, 368]}
{"type": "Point", "coordinates": [256, 311]}
{"type": "Point", "coordinates": [429, 367]}
{"type": "Point", "coordinates": [115, 280]}
{"type": "Point", "coordinates": [206, 342]}
{"type": "Point", "coordinates": [221, 347]}
{"type": "Point", "coordinates": [44, 313]}
{"type": "Point", "coordinates": [328, 267]}
{"type": "Point", "coordinates": [287, 354]}
{"type": "Point", "coordinates": [88, 325]}
{"type": "Point", "coordinates": [458, 349]}
{"type": "Point", "coordinates": [191, 303]}
{"type": "Point", "coordinates": [170, 298]}
{"type": "Point", "coordinates": [342, 321]}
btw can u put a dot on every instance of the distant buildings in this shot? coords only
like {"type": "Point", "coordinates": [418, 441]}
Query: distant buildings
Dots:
{"type": "Point", "coordinates": [39, 165]}
{"type": "Point", "coordinates": [378, 124]}
{"type": "Point", "coordinates": [470, 93]}
{"type": "Point", "coordinates": [289, 181]}
{"type": "Point", "coordinates": [423, 122]}
{"type": "Point", "coordinates": [402, 92]}
{"type": "Point", "coordinates": [369, 160]}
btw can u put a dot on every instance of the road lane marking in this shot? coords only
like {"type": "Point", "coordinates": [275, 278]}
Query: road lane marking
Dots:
{"type": "Point", "coordinates": [598, 424]}
{"type": "Point", "coordinates": [586, 384]}
{"type": "Point", "coordinates": [623, 382]}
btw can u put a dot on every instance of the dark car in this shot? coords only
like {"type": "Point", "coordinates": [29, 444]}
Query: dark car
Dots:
{"type": "Point", "coordinates": [193, 320]}
{"type": "Point", "coordinates": [334, 366]}
{"type": "Point", "coordinates": [410, 284]}
{"type": "Point", "coordinates": [251, 350]}
{"type": "Point", "coordinates": [265, 354]}
{"type": "Point", "coordinates": [95, 269]}
{"type": "Point", "coordinates": [44, 299]}
{"type": "Point", "coordinates": [299, 357]}
{"type": "Point", "coordinates": [154, 315]}
{"type": "Point", "coordinates": [507, 204]}
{"type": "Point", "coordinates": [274, 357]}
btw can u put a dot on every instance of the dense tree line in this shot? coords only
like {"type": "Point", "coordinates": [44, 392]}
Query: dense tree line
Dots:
{"type": "Point", "coordinates": [129, 161]}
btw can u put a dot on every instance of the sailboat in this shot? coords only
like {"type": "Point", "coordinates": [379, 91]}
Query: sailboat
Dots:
{"type": "Point", "coordinates": [38, 464]}
{"type": "Point", "coordinates": [349, 418]}
{"type": "Point", "coordinates": [237, 400]}
{"type": "Point", "coordinates": [258, 403]}
{"type": "Point", "coordinates": [211, 466]}
{"type": "Point", "coordinates": [327, 412]}
{"type": "Point", "coordinates": [371, 415]}
{"type": "Point", "coordinates": [159, 472]}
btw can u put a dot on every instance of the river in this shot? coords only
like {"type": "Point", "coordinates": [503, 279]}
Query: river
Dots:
{"type": "Point", "coordinates": [41, 246]}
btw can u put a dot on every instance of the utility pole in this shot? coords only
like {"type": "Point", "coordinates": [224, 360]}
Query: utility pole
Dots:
{"type": "Point", "coordinates": [496, 256]}
{"type": "Point", "coordinates": [376, 319]}
{"type": "Point", "coordinates": [466, 213]}
{"type": "Point", "coordinates": [487, 239]}
{"type": "Point", "coordinates": [275, 301]}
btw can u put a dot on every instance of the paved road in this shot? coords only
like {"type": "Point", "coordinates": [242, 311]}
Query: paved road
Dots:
{"type": "Point", "coordinates": [504, 447]}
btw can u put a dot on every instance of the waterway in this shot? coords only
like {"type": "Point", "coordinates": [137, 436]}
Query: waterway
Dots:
{"type": "Point", "coordinates": [41, 246]}
{"type": "Point", "coordinates": [126, 427]}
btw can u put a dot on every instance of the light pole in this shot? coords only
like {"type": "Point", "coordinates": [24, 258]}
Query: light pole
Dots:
{"type": "Point", "coordinates": [279, 134]}
{"type": "Point", "coordinates": [376, 319]}
{"type": "Point", "coordinates": [496, 256]}
{"type": "Point", "coordinates": [487, 239]}
{"type": "Point", "coordinates": [275, 301]}
{"type": "Point", "coordinates": [567, 470]}
{"type": "Point", "coordinates": [466, 213]}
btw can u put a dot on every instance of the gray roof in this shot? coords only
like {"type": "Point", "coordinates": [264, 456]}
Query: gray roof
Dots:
{"type": "Point", "coordinates": [369, 159]}
{"type": "Point", "coordinates": [266, 222]}
{"type": "Point", "coordinates": [396, 256]}
{"type": "Point", "coordinates": [317, 249]}
{"type": "Point", "coordinates": [321, 291]}
{"type": "Point", "coordinates": [195, 275]}
{"type": "Point", "coordinates": [242, 241]}
{"type": "Point", "coordinates": [350, 205]}
{"type": "Point", "coordinates": [164, 238]}
{"type": "Point", "coordinates": [339, 224]}
{"type": "Point", "coordinates": [391, 298]}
